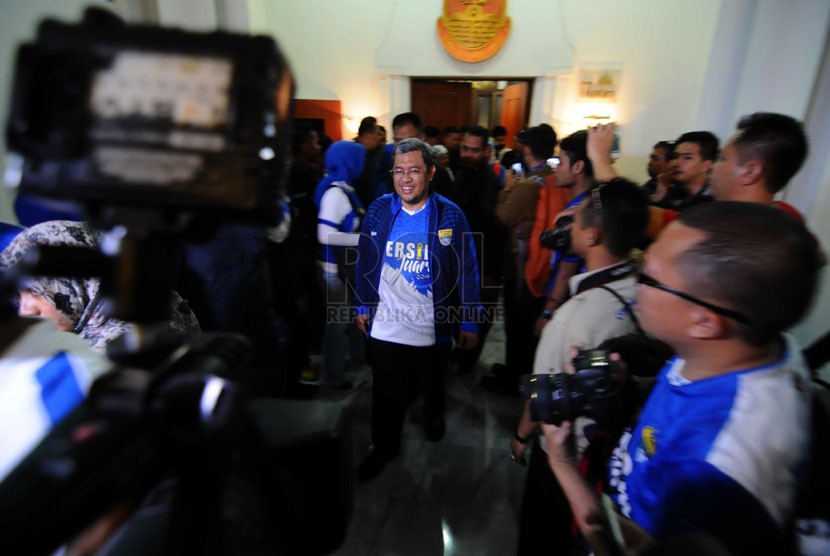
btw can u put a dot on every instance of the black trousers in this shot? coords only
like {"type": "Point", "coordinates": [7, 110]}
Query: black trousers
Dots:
{"type": "Point", "coordinates": [521, 309]}
{"type": "Point", "coordinates": [467, 358]}
{"type": "Point", "coordinates": [546, 521]}
{"type": "Point", "coordinates": [399, 374]}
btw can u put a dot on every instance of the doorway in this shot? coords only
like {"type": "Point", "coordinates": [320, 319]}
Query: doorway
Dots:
{"type": "Point", "coordinates": [486, 102]}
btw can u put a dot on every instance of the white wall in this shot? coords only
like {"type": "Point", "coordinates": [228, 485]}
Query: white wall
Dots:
{"type": "Point", "coordinates": [357, 50]}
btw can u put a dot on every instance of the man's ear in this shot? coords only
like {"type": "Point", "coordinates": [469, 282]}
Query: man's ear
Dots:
{"type": "Point", "coordinates": [593, 235]}
{"type": "Point", "coordinates": [432, 172]}
{"type": "Point", "coordinates": [708, 164]}
{"type": "Point", "coordinates": [578, 167]}
{"type": "Point", "coordinates": [752, 171]}
{"type": "Point", "coordinates": [706, 325]}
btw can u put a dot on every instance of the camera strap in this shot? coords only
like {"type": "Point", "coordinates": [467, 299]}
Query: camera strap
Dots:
{"type": "Point", "coordinates": [628, 310]}
{"type": "Point", "coordinates": [606, 276]}
{"type": "Point", "coordinates": [602, 278]}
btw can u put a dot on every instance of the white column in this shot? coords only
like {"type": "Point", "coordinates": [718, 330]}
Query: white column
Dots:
{"type": "Point", "coordinates": [400, 97]}
{"type": "Point", "coordinates": [542, 101]}
{"type": "Point", "coordinates": [726, 65]}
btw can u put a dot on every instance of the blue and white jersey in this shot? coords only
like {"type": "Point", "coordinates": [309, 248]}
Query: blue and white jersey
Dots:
{"type": "Point", "coordinates": [339, 211]}
{"type": "Point", "coordinates": [721, 454]}
{"type": "Point", "coordinates": [44, 375]}
{"type": "Point", "coordinates": [405, 312]}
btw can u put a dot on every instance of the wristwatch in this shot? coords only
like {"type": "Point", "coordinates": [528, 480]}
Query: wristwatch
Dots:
{"type": "Point", "coordinates": [521, 439]}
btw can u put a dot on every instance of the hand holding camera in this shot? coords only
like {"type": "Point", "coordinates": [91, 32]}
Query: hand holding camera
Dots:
{"type": "Point", "coordinates": [555, 398]}
{"type": "Point", "coordinates": [558, 238]}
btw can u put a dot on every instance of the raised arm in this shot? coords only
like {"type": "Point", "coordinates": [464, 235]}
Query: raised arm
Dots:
{"type": "Point", "coordinates": [600, 142]}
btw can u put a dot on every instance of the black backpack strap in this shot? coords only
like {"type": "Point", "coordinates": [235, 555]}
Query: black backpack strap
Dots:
{"type": "Point", "coordinates": [628, 309]}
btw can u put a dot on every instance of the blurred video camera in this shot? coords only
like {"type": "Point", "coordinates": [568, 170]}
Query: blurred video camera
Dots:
{"type": "Point", "coordinates": [107, 114]}
{"type": "Point", "coordinates": [559, 397]}
{"type": "Point", "coordinates": [153, 131]}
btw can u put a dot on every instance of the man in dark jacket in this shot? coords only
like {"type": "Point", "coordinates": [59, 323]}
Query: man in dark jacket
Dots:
{"type": "Point", "coordinates": [476, 192]}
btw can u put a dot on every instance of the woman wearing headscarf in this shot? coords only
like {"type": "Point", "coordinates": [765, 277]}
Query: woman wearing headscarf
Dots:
{"type": "Point", "coordinates": [338, 227]}
{"type": "Point", "coordinates": [74, 304]}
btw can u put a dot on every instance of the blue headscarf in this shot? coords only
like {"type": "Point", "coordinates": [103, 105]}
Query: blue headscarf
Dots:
{"type": "Point", "coordinates": [344, 162]}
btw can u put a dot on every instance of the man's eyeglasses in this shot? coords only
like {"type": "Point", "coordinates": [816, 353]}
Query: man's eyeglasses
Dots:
{"type": "Point", "coordinates": [414, 172]}
{"type": "Point", "coordinates": [647, 280]}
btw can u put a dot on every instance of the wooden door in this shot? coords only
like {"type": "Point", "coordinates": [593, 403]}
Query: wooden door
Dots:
{"type": "Point", "coordinates": [326, 111]}
{"type": "Point", "coordinates": [514, 109]}
{"type": "Point", "coordinates": [441, 104]}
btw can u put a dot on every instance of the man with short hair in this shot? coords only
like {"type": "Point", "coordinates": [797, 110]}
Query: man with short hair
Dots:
{"type": "Point", "coordinates": [694, 154]}
{"type": "Point", "coordinates": [758, 161]}
{"type": "Point", "coordinates": [432, 136]}
{"type": "Point", "coordinates": [451, 138]}
{"type": "Point", "coordinates": [608, 224]}
{"type": "Point", "coordinates": [369, 136]}
{"type": "Point", "coordinates": [516, 210]}
{"type": "Point", "coordinates": [661, 188]}
{"type": "Point", "coordinates": [499, 135]}
{"type": "Point", "coordinates": [721, 443]}
{"type": "Point", "coordinates": [765, 153]}
{"type": "Point", "coordinates": [574, 173]}
{"type": "Point", "coordinates": [406, 125]}
{"type": "Point", "coordinates": [416, 289]}
{"type": "Point", "coordinates": [367, 133]}
{"type": "Point", "coordinates": [475, 190]}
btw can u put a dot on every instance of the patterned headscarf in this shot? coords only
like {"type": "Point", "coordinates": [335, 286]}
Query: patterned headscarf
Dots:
{"type": "Point", "coordinates": [77, 298]}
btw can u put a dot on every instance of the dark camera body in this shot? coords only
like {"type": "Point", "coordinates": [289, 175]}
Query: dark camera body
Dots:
{"type": "Point", "coordinates": [559, 238]}
{"type": "Point", "coordinates": [108, 114]}
{"type": "Point", "coordinates": [559, 397]}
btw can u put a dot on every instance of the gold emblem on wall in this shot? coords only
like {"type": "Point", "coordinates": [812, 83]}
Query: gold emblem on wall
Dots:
{"type": "Point", "coordinates": [473, 30]}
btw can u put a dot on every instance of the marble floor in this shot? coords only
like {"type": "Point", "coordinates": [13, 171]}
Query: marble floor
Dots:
{"type": "Point", "coordinates": [459, 496]}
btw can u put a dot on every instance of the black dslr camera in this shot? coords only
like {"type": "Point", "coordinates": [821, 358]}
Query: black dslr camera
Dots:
{"type": "Point", "coordinates": [559, 397]}
{"type": "Point", "coordinates": [559, 238]}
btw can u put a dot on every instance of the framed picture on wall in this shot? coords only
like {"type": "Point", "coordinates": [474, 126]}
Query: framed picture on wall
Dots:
{"type": "Point", "coordinates": [599, 84]}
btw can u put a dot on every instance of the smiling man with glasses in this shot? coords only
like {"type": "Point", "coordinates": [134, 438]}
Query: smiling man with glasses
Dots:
{"type": "Point", "coordinates": [721, 443]}
{"type": "Point", "coordinates": [417, 289]}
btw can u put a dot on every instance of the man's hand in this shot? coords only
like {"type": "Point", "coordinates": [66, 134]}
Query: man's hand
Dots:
{"type": "Point", "coordinates": [567, 212]}
{"type": "Point", "coordinates": [467, 340]}
{"type": "Point", "coordinates": [510, 180]}
{"type": "Point", "coordinates": [517, 450]}
{"type": "Point", "coordinates": [560, 444]}
{"type": "Point", "coordinates": [362, 322]}
{"type": "Point", "coordinates": [600, 143]}
{"type": "Point", "coordinates": [664, 183]}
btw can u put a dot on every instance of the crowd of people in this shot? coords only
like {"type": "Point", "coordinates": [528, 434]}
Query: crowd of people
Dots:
{"type": "Point", "coordinates": [718, 445]}
{"type": "Point", "coordinates": [399, 254]}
